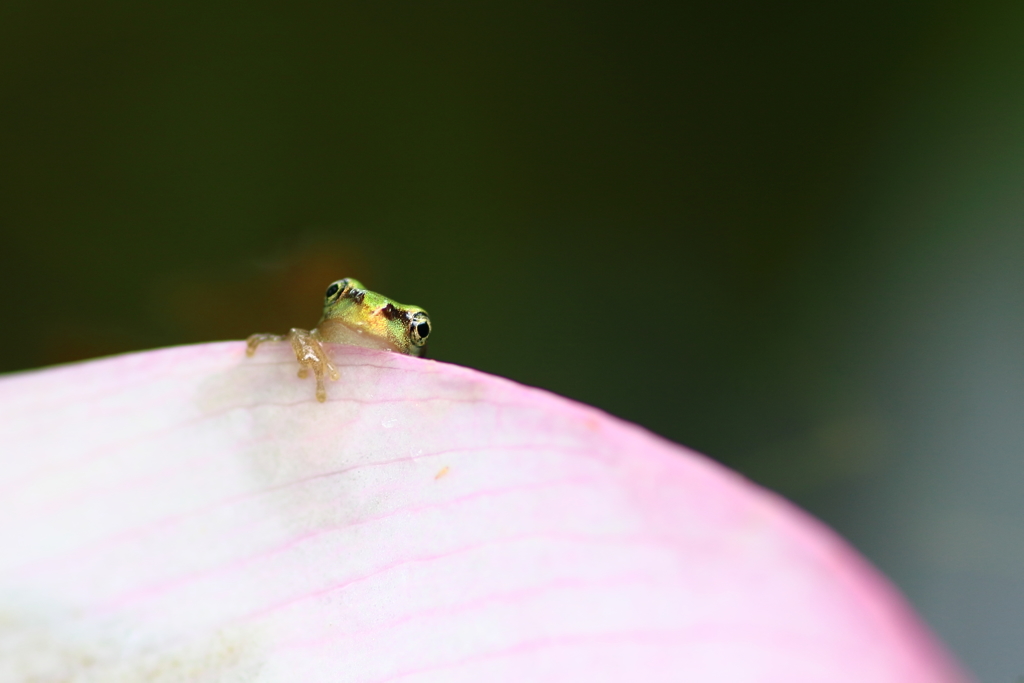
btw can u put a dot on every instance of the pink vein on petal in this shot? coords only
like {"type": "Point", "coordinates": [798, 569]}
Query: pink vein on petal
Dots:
{"type": "Point", "coordinates": [158, 589]}
{"type": "Point", "coordinates": [170, 520]}
{"type": "Point", "coordinates": [527, 646]}
{"type": "Point", "coordinates": [477, 603]}
{"type": "Point", "coordinates": [562, 537]}
{"type": "Point", "coordinates": [784, 641]}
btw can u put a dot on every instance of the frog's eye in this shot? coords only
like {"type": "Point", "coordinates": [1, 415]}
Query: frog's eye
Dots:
{"type": "Point", "coordinates": [335, 288]}
{"type": "Point", "coordinates": [419, 329]}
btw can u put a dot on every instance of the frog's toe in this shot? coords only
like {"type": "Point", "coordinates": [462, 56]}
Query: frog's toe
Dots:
{"type": "Point", "coordinates": [255, 340]}
{"type": "Point", "coordinates": [251, 343]}
{"type": "Point", "coordinates": [303, 372]}
{"type": "Point", "coordinates": [321, 390]}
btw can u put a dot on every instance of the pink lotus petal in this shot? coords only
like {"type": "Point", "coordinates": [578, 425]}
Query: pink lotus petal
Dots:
{"type": "Point", "coordinates": [193, 514]}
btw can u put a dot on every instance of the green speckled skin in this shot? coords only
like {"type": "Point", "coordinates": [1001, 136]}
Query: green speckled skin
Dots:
{"type": "Point", "coordinates": [385, 321]}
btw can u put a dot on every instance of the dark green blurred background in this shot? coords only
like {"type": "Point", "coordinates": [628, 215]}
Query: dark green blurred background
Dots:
{"type": "Point", "coordinates": [790, 236]}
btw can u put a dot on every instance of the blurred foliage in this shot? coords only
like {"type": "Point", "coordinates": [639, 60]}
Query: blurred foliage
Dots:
{"type": "Point", "coordinates": [560, 185]}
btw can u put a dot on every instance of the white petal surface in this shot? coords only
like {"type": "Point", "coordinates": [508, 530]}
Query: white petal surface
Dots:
{"type": "Point", "coordinates": [193, 514]}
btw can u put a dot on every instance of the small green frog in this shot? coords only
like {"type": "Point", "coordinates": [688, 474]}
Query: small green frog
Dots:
{"type": "Point", "coordinates": [353, 315]}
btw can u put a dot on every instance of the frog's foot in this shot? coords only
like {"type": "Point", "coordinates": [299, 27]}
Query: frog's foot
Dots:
{"type": "Point", "coordinates": [312, 356]}
{"type": "Point", "coordinates": [255, 340]}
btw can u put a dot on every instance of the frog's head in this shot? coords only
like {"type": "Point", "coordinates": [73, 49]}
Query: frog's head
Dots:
{"type": "Point", "coordinates": [377, 321]}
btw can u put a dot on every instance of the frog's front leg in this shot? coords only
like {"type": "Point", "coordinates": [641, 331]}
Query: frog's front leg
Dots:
{"type": "Point", "coordinates": [308, 351]}
{"type": "Point", "coordinates": [311, 356]}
